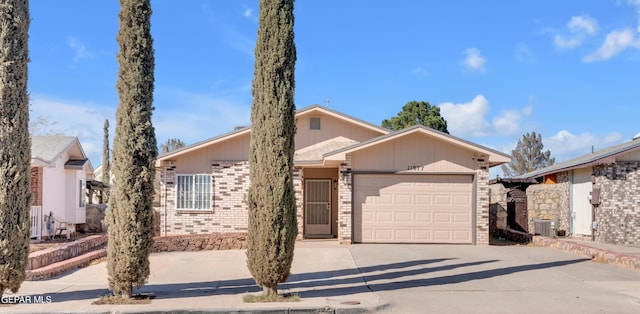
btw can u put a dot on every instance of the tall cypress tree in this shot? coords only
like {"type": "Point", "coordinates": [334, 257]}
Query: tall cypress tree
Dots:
{"type": "Point", "coordinates": [106, 163]}
{"type": "Point", "coordinates": [130, 213]}
{"type": "Point", "coordinates": [272, 209]}
{"type": "Point", "coordinates": [15, 145]}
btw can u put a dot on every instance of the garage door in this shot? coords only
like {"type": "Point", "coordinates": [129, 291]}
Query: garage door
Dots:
{"type": "Point", "coordinates": [413, 208]}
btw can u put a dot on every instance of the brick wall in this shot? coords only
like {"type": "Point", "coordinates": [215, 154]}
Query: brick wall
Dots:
{"type": "Point", "coordinates": [619, 211]}
{"type": "Point", "coordinates": [229, 212]}
{"type": "Point", "coordinates": [298, 175]}
{"type": "Point", "coordinates": [345, 186]}
{"type": "Point", "coordinates": [482, 200]}
{"type": "Point", "coordinates": [36, 185]}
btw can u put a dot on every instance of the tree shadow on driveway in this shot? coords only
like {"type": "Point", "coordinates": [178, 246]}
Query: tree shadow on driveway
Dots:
{"type": "Point", "coordinates": [331, 283]}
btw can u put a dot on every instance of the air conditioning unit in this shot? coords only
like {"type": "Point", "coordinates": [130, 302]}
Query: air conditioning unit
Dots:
{"type": "Point", "coordinates": [544, 227]}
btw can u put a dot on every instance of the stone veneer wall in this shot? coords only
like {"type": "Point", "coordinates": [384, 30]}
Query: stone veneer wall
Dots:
{"type": "Point", "coordinates": [497, 208]}
{"type": "Point", "coordinates": [619, 211]}
{"type": "Point", "coordinates": [550, 201]}
{"type": "Point", "coordinates": [482, 200]}
{"type": "Point", "coordinates": [345, 187]}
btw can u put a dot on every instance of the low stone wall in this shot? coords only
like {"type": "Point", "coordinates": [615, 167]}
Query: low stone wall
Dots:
{"type": "Point", "coordinates": [95, 218]}
{"type": "Point", "coordinates": [66, 265]}
{"type": "Point", "coordinates": [200, 242]}
{"type": "Point", "coordinates": [514, 235]}
{"type": "Point", "coordinates": [598, 255]}
{"type": "Point", "coordinates": [65, 251]}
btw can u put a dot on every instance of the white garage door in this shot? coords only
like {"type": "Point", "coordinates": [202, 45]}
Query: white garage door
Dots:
{"type": "Point", "coordinates": [413, 208]}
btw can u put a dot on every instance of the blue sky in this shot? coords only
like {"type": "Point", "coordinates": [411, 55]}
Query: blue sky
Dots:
{"type": "Point", "coordinates": [569, 70]}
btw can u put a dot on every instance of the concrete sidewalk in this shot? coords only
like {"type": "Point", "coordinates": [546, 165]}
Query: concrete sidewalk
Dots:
{"type": "Point", "coordinates": [324, 274]}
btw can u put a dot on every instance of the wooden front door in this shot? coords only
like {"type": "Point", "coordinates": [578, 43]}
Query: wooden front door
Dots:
{"type": "Point", "coordinates": [317, 207]}
{"type": "Point", "coordinates": [517, 213]}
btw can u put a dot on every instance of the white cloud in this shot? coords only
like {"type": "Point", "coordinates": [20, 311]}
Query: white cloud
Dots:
{"type": "Point", "coordinates": [76, 118]}
{"type": "Point", "coordinates": [524, 54]}
{"type": "Point", "coordinates": [579, 28]}
{"type": "Point", "coordinates": [636, 5]}
{"type": "Point", "coordinates": [562, 43]}
{"type": "Point", "coordinates": [473, 60]}
{"type": "Point", "coordinates": [470, 118]}
{"type": "Point", "coordinates": [79, 48]}
{"type": "Point", "coordinates": [209, 116]}
{"type": "Point", "coordinates": [584, 23]}
{"type": "Point", "coordinates": [616, 42]}
{"type": "Point", "coordinates": [467, 118]}
{"type": "Point", "coordinates": [248, 12]}
{"type": "Point", "coordinates": [565, 145]}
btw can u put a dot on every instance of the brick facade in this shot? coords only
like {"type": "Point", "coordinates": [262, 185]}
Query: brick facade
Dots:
{"type": "Point", "coordinates": [36, 185]}
{"type": "Point", "coordinates": [482, 200]}
{"type": "Point", "coordinates": [229, 212]}
{"type": "Point", "coordinates": [619, 211]}
{"type": "Point", "coordinates": [345, 206]}
{"type": "Point", "coordinates": [298, 175]}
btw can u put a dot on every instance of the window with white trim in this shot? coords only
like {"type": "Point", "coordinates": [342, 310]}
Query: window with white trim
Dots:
{"type": "Point", "coordinates": [193, 192]}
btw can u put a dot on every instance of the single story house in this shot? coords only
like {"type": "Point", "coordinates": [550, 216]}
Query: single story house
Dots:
{"type": "Point", "coordinates": [597, 192]}
{"type": "Point", "coordinates": [59, 173]}
{"type": "Point", "coordinates": [354, 181]}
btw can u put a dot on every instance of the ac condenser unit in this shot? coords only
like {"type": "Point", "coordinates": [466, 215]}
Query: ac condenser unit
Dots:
{"type": "Point", "coordinates": [544, 227]}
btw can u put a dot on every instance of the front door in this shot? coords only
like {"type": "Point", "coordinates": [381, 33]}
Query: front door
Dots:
{"type": "Point", "coordinates": [317, 207]}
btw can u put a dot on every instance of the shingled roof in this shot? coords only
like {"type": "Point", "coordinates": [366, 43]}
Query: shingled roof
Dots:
{"type": "Point", "coordinates": [606, 155]}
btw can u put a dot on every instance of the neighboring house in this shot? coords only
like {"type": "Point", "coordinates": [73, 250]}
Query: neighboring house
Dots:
{"type": "Point", "coordinates": [354, 181]}
{"type": "Point", "coordinates": [604, 184]}
{"type": "Point", "coordinates": [59, 172]}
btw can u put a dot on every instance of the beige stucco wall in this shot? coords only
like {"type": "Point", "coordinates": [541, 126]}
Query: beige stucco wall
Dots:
{"type": "Point", "coordinates": [199, 161]}
{"type": "Point", "coordinates": [330, 127]}
{"type": "Point", "coordinates": [416, 153]}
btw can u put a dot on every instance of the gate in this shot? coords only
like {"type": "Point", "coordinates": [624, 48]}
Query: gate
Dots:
{"type": "Point", "coordinates": [517, 213]}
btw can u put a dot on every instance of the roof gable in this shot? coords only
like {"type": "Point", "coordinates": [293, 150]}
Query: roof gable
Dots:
{"type": "Point", "coordinates": [495, 157]}
{"type": "Point", "coordinates": [307, 146]}
{"type": "Point", "coordinates": [48, 148]}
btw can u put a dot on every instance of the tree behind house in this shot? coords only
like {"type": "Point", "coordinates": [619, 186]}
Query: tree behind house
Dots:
{"type": "Point", "coordinates": [106, 162]}
{"type": "Point", "coordinates": [130, 213]}
{"type": "Point", "coordinates": [417, 112]}
{"type": "Point", "coordinates": [528, 156]}
{"type": "Point", "coordinates": [171, 145]}
{"type": "Point", "coordinates": [271, 200]}
{"type": "Point", "coordinates": [15, 145]}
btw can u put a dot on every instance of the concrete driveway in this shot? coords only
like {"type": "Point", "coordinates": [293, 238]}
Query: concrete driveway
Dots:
{"type": "Point", "coordinates": [494, 279]}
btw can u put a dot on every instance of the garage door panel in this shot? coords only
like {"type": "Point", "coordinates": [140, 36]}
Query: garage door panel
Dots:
{"type": "Point", "coordinates": [403, 199]}
{"type": "Point", "coordinates": [413, 208]}
{"type": "Point", "coordinates": [442, 217]}
{"type": "Point", "coordinates": [403, 217]}
{"type": "Point", "coordinates": [461, 218]}
{"type": "Point", "coordinates": [423, 217]}
{"type": "Point", "coordinates": [383, 216]}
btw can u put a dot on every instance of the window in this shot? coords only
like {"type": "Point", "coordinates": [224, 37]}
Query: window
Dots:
{"type": "Point", "coordinates": [80, 194]}
{"type": "Point", "coordinates": [194, 192]}
{"type": "Point", "coordinates": [314, 123]}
